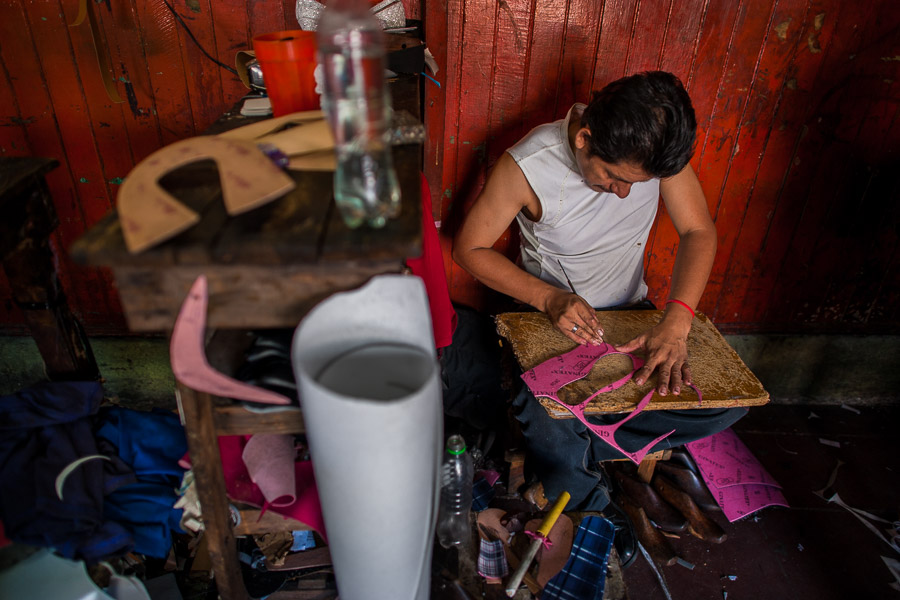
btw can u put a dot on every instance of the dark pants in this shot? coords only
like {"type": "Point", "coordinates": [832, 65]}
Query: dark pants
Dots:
{"type": "Point", "coordinates": [565, 455]}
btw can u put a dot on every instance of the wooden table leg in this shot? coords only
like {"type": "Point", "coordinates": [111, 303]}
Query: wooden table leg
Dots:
{"type": "Point", "coordinates": [200, 429]}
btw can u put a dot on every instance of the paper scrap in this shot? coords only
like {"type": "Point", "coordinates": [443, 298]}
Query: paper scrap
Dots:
{"type": "Point", "coordinates": [831, 443]}
{"type": "Point", "coordinates": [738, 482]}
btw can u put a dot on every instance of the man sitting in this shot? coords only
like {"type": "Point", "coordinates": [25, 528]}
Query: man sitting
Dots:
{"type": "Point", "coordinates": [584, 191]}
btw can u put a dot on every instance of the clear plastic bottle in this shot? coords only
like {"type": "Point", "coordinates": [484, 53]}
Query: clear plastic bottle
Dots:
{"type": "Point", "coordinates": [457, 474]}
{"type": "Point", "coordinates": [356, 101]}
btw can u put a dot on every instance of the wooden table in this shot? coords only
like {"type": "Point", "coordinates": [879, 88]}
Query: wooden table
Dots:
{"type": "Point", "coordinates": [717, 370]}
{"type": "Point", "coordinates": [266, 269]}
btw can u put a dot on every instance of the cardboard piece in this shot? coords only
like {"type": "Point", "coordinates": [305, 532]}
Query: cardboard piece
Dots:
{"type": "Point", "coordinates": [149, 214]}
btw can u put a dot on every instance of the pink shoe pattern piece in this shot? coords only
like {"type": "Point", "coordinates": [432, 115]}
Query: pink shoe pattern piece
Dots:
{"type": "Point", "coordinates": [188, 356]}
{"type": "Point", "coordinates": [546, 379]}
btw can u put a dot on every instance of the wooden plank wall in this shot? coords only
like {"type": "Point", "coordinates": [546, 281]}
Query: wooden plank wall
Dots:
{"type": "Point", "coordinates": [53, 103]}
{"type": "Point", "coordinates": [797, 102]}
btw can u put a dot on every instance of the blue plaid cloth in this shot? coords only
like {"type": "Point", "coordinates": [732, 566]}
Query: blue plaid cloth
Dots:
{"type": "Point", "coordinates": [482, 494]}
{"type": "Point", "coordinates": [584, 575]}
{"type": "Point", "coordinates": [492, 560]}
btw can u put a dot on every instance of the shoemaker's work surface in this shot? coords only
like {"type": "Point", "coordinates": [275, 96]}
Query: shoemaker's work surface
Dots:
{"type": "Point", "coordinates": [717, 370]}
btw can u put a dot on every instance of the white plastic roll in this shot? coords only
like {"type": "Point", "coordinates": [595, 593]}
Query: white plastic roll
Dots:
{"type": "Point", "coordinates": [367, 374]}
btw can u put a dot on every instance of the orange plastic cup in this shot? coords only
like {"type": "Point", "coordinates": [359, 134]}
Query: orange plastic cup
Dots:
{"type": "Point", "coordinates": [288, 59]}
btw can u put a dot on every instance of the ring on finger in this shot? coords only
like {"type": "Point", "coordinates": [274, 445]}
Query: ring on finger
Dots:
{"type": "Point", "coordinates": [574, 328]}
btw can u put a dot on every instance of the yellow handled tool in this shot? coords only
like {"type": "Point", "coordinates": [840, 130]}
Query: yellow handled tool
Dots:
{"type": "Point", "coordinates": [542, 532]}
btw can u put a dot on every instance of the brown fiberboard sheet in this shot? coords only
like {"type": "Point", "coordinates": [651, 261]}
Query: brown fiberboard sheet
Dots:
{"type": "Point", "coordinates": [717, 370]}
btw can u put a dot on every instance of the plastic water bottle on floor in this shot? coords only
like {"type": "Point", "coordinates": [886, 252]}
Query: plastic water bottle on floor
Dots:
{"type": "Point", "coordinates": [357, 104]}
{"type": "Point", "coordinates": [457, 474]}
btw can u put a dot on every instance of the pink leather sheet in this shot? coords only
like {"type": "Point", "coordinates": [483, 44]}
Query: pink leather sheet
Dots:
{"type": "Point", "coordinates": [737, 480]}
{"type": "Point", "coordinates": [546, 379]}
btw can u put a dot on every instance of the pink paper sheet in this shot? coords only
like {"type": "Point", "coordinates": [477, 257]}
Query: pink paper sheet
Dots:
{"type": "Point", "coordinates": [239, 485]}
{"type": "Point", "coordinates": [269, 458]}
{"type": "Point", "coordinates": [737, 480]}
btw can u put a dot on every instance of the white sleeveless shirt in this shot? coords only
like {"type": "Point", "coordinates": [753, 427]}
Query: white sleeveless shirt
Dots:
{"type": "Point", "coordinates": [598, 237]}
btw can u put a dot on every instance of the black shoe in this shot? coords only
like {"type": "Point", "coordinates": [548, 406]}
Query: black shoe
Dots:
{"type": "Point", "coordinates": [624, 541]}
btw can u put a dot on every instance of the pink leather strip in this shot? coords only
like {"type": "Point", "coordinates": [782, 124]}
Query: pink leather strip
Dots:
{"type": "Point", "coordinates": [546, 379]}
{"type": "Point", "coordinates": [188, 356]}
{"type": "Point", "coordinates": [550, 376]}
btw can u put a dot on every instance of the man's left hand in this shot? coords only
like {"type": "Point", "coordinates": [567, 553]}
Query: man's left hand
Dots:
{"type": "Point", "coordinates": [665, 348]}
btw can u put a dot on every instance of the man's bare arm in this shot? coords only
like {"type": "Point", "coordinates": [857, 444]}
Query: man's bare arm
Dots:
{"type": "Point", "coordinates": [666, 343]}
{"type": "Point", "coordinates": [505, 194]}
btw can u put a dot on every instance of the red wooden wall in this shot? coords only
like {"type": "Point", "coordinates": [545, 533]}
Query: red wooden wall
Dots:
{"type": "Point", "coordinates": [53, 103]}
{"type": "Point", "coordinates": [797, 102]}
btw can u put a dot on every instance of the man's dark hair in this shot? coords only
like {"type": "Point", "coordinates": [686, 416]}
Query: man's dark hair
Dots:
{"type": "Point", "coordinates": [645, 119]}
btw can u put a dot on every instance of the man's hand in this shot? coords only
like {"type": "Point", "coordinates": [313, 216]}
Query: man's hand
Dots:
{"type": "Point", "coordinates": [571, 314]}
{"type": "Point", "coordinates": [665, 347]}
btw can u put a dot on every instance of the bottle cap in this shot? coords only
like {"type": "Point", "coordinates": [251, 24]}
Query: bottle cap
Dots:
{"type": "Point", "coordinates": [456, 444]}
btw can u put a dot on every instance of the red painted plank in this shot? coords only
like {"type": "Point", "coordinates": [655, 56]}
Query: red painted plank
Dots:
{"type": "Point", "coordinates": [203, 76]}
{"type": "Point", "coordinates": [267, 16]}
{"type": "Point", "coordinates": [734, 302]}
{"type": "Point", "coordinates": [105, 126]}
{"type": "Point", "coordinates": [13, 140]}
{"type": "Point", "coordinates": [166, 71]}
{"type": "Point", "coordinates": [859, 213]}
{"type": "Point", "coordinates": [681, 38]}
{"type": "Point", "coordinates": [476, 66]}
{"type": "Point", "coordinates": [579, 54]}
{"type": "Point", "coordinates": [677, 56]}
{"type": "Point", "coordinates": [722, 132]}
{"type": "Point", "coordinates": [62, 132]}
{"type": "Point", "coordinates": [512, 49]}
{"type": "Point", "coordinates": [713, 45]}
{"type": "Point", "coordinates": [547, 41]}
{"type": "Point", "coordinates": [119, 22]}
{"type": "Point", "coordinates": [444, 22]}
{"type": "Point", "coordinates": [231, 29]}
{"type": "Point", "coordinates": [650, 29]}
{"type": "Point", "coordinates": [616, 30]}
{"type": "Point", "coordinates": [413, 9]}
{"type": "Point", "coordinates": [791, 300]}
{"type": "Point", "coordinates": [435, 116]}
{"type": "Point", "coordinates": [752, 134]}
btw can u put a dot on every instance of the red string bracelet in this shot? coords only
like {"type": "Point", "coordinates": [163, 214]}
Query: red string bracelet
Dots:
{"type": "Point", "coordinates": [691, 310]}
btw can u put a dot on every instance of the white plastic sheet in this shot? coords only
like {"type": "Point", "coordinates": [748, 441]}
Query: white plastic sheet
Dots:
{"type": "Point", "coordinates": [367, 375]}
